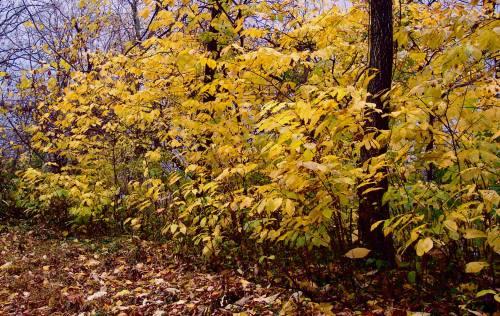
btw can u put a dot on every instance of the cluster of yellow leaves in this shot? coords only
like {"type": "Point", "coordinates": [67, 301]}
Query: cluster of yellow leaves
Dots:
{"type": "Point", "coordinates": [266, 150]}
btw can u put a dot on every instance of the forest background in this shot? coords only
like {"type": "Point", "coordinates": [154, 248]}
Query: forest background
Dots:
{"type": "Point", "coordinates": [298, 141]}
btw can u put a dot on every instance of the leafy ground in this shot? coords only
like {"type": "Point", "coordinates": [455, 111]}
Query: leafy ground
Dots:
{"type": "Point", "coordinates": [43, 272]}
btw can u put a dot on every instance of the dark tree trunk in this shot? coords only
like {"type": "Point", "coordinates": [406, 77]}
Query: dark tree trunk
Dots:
{"type": "Point", "coordinates": [213, 50]}
{"type": "Point", "coordinates": [430, 146]}
{"type": "Point", "coordinates": [371, 208]}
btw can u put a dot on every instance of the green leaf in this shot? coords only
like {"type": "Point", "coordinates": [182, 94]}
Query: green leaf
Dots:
{"type": "Point", "coordinates": [412, 277]}
{"type": "Point", "coordinates": [327, 212]}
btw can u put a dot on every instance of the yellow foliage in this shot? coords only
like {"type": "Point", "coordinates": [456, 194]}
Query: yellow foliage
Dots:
{"type": "Point", "coordinates": [259, 138]}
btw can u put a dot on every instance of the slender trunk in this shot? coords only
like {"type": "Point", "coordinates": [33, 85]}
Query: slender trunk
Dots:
{"type": "Point", "coordinates": [371, 208]}
{"type": "Point", "coordinates": [430, 146]}
{"type": "Point", "coordinates": [209, 73]}
{"type": "Point", "coordinates": [213, 50]}
{"type": "Point", "coordinates": [135, 18]}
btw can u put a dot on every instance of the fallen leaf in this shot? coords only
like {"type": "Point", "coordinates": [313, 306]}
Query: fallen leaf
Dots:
{"type": "Point", "coordinates": [122, 293]}
{"type": "Point", "coordinates": [6, 266]}
{"type": "Point", "coordinates": [268, 299]}
{"type": "Point", "coordinates": [242, 301]}
{"type": "Point", "coordinates": [96, 295]}
{"type": "Point", "coordinates": [91, 263]}
{"type": "Point", "coordinates": [357, 253]}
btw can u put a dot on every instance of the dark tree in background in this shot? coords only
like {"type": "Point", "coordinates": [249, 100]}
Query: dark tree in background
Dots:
{"type": "Point", "coordinates": [371, 208]}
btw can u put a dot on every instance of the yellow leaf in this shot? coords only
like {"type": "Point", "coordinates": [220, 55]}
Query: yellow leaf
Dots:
{"type": "Point", "coordinates": [495, 136]}
{"type": "Point", "coordinates": [494, 240]}
{"type": "Point", "coordinates": [451, 225]}
{"type": "Point", "coordinates": [485, 292]}
{"type": "Point", "coordinates": [490, 197]}
{"type": "Point", "coordinates": [211, 63]}
{"type": "Point", "coordinates": [173, 228]}
{"type": "Point", "coordinates": [314, 166]}
{"type": "Point", "coordinates": [376, 224]}
{"type": "Point", "coordinates": [183, 228]}
{"type": "Point", "coordinates": [423, 246]}
{"type": "Point", "coordinates": [165, 17]}
{"type": "Point", "coordinates": [273, 204]}
{"type": "Point", "coordinates": [65, 65]}
{"type": "Point", "coordinates": [25, 83]}
{"type": "Point", "coordinates": [474, 233]}
{"type": "Point", "coordinates": [153, 156]}
{"type": "Point", "coordinates": [144, 13]}
{"type": "Point", "coordinates": [254, 32]}
{"type": "Point", "coordinates": [191, 168]}
{"type": "Point", "coordinates": [175, 143]}
{"type": "Point", "coordinates": [357, 253]}
{"type": "Point", "coordinates": [289, 207]}
{"type": "Point", "coordinates": [475, 267]}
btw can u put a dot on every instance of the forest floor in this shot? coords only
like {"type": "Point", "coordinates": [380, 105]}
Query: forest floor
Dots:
{"type": "Point", "coordinates": [44, 272]}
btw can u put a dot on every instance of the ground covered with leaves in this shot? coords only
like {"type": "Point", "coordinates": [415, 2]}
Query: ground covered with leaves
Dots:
{"type": "Point", "coordinates": [46, 272]}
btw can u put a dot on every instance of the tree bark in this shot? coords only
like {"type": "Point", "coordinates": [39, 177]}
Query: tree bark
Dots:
{"type": "Point", "coordinates": [213, 50]}
{"type": "Point", "coordinates": [135, 18]}
{"type": "Point", "coordinates": [371, 208]}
